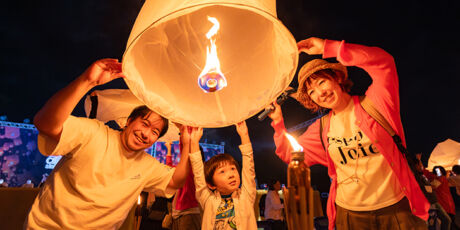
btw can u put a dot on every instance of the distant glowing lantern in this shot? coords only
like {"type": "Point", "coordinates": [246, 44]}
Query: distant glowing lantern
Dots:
{"type": "Point", "coordinates": [446, 154]}
{"type": "Point", "coordinates": [239, 52]}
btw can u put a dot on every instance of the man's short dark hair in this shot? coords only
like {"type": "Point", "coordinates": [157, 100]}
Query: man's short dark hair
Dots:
{"type": "Point", "coordinates": [143, 111]}
{"type": "Point", "coordinates": [456, 169]}
{"type": "Point", "coordinates": [215, 162]}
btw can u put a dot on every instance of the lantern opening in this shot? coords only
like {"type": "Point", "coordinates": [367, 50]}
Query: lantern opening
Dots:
{"type": "Point", "coordinates": [211, 78]}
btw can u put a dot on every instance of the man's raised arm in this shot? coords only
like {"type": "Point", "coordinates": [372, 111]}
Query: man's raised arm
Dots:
{"type": "Point", "coordinates": [51, 117]}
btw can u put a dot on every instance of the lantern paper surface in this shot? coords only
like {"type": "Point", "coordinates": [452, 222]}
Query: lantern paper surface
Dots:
{"type": "Point", "coordinates": [167, 51]}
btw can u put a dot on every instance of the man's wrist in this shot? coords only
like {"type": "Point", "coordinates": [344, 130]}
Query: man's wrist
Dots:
{"type": "Point", "coordinates": [83, 81]}
{"type": "Point", "coordinates": [245, 139]}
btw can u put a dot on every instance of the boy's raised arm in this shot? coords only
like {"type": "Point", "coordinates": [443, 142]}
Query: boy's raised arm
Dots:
{"type": "Point", "coordinates": [248, 171]}
{"type": "Point", "coordinates": [242, 130]}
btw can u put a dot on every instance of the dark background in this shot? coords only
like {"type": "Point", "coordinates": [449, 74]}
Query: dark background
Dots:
{"type": "Point", "coordinates": [47, 44]}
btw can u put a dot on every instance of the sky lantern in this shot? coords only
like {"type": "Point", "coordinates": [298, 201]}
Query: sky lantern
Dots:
{"type": "Point", "coordinates": [209, 63]}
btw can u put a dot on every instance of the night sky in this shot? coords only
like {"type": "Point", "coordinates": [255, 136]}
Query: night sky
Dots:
{"type": "Point", "coordinates": [47, 44]}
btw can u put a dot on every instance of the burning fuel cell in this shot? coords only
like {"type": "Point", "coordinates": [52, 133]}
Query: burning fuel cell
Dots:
{"type": "Point", "coordinates": [211, 78]}
{"type": "Point", "coordinates": [211, 82]}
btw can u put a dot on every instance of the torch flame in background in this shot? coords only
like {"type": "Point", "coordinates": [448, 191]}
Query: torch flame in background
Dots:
{"type": "Point", "coordinates": [295, 145]}
{"type": "Point", "coordinates": [211, 78]}
{"type": "Point", "coordinates": [137, 213]}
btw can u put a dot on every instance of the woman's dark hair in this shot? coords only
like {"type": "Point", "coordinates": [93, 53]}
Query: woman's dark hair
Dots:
{"type": "Point", "coordinates": [214, 163]}
{"type": "Point", "coordinates": [271, 184]}
{"type": "Point", "coordinates": [143, 111]}
{"type": "Point", "coordinates": [443, 171]}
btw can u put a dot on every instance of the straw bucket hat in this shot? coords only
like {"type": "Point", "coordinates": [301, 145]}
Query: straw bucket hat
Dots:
{"type": "Point", "coordinates": [314, 66]}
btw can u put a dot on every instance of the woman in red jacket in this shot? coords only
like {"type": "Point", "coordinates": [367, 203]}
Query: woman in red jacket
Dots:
{"type": "Point", "coordinates": [443, 191]}
{"type": "Point", "coordinates": [372, 186]}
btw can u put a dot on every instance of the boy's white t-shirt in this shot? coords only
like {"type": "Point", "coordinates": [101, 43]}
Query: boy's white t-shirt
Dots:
{"type": "Point", "coordinates": [94, 185]}
{"type": "Point", "coordinates": [225, 215]}
{"type": "Point", "coordinates": [365, 180]}
{"type": "Point", "coordinates": [243, 198]}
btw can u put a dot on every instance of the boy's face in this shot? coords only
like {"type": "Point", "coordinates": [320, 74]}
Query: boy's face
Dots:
{"type": "Point", "coordinates": [226, 179]}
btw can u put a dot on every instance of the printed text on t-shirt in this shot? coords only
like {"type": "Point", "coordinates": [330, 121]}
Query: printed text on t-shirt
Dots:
{"type": "Point", "coordinates": [351, 148]}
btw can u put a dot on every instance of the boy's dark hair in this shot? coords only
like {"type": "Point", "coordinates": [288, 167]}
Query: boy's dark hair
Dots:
{"type": "Point", "coordinates": [215, 162]}
{"type": "Point", "coordinates": [143, 111]}
{"type": "Point", "coordinates": [456, 169]}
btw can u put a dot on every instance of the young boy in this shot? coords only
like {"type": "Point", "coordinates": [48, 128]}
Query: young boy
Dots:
{"type": "Point", "coordinates": [225, 205]}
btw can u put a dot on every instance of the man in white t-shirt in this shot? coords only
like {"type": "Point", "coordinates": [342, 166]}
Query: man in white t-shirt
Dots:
{"type": "Point", "coordinates": [102, 171]}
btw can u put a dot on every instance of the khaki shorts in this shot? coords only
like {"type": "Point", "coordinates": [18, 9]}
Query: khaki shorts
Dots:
{"type": "Point", "coordinates": [394, 217]}
{"type": "Point", "coordinates": [189, 222]}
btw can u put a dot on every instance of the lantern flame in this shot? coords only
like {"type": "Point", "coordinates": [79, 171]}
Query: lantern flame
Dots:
{"type": "Point", "coordinates": [139, 200]}
{"type": "Point", "coordinates": [295, 145]}
{"type": "Point", "coordinates": [214, 29]}
{"type": "Point", "coordinates": [211, 78]}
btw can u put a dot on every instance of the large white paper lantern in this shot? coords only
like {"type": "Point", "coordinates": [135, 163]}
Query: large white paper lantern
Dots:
{"type": "Point", "coordinates": [167, 51]}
